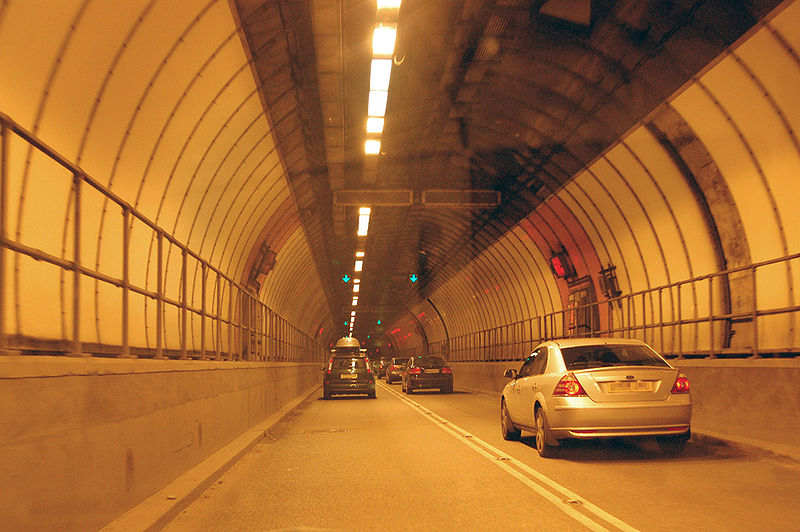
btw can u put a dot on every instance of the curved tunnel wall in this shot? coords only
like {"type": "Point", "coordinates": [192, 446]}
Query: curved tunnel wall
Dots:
{"type": "Point", "coordinates": [156, 101]}
{"type": "Point", "coordinates": [707, 183]}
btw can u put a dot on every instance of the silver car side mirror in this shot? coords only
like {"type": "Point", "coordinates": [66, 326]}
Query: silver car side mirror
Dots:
{"type": "Point", "coordinates": [510, 374]}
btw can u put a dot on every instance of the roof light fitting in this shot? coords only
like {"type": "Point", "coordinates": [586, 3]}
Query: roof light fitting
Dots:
{"type": "Point", "coordinates": [363, 221]}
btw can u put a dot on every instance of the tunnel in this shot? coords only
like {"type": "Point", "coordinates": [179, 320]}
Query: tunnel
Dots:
{"type": "Point", "coordinates": [199, 197]}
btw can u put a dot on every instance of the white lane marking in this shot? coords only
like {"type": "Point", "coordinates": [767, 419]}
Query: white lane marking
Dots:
{"type": "Point", "coordinates": [502, 460]}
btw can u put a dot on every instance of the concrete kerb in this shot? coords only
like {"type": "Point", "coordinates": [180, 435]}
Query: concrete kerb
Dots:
{"type": "Point", "coordinates": [155, 512]}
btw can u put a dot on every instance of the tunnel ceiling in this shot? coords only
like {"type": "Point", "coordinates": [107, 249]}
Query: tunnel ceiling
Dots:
{"type": "Point", "coordinates": [512, 96]}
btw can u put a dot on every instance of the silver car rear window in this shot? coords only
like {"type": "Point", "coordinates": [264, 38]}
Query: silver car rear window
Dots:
{"type": "Point", "coordinates": [597, 356]}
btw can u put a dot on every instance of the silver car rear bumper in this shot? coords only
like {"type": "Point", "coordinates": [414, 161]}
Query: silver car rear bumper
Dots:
{"type": "Point", "coordinates": [580, 417]}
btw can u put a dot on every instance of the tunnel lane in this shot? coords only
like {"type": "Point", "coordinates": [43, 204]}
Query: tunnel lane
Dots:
{"type": "Point", "coordinates": [359, 464]}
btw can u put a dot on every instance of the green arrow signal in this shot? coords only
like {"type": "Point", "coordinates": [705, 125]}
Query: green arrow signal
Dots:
{"type": "Point", "coordinates": [413, 278]}
{"type": "Point", "coordinates": [345, 278]}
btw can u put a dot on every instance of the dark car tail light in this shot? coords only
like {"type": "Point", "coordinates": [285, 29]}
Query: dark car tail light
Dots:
{"type": "Point", "coordinates": [681, 384]}
{"type": "Point", "coordinates": [446, 370]}
{"type": "Point", "coordinates": [415, 371]}
{"type": "Point", "coordinates": [568, 386]}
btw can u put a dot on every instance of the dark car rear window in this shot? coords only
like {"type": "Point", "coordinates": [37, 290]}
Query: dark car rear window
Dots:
{"type": "Point", "coordinates": [430, 362]}
{"type": "Point", "coordinates": [349, 363]}
{"type": "Point", "coordinates": [597, 356]}
{"type": "Point", "coordinates": [399, 361]}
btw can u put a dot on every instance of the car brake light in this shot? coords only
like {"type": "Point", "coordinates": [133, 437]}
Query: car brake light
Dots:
{"type": "Point", "coordinates": [681, 384]}
{"type": "Point", "coordinates": [447, 370]}
{"type": "Point", "coordinates": [415, 371]}
{"type": "Point", "coordinates": [568, 386]}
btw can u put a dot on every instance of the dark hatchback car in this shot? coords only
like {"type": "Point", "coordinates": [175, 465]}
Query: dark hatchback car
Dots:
{"type": "Point", "coordinates": [348, 375]}
{"type": "Point", "coordinates": [394, 371]}
{"type": "Point", "coordinates": [427, 372]}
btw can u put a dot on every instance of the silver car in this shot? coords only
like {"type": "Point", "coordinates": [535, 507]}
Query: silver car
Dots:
{"type": "Point", "coordinates": [596, 388]}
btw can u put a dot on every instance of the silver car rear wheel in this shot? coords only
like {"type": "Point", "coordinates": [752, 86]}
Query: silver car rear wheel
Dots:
{"type": "Point", "coordinates": [543, 435]}
{"type": "Point", "coordinates": [507, 428]}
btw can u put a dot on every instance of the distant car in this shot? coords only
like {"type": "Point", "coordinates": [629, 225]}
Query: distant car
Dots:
{"type": "Point", "coordinates": [394, 371]}
{"type": "Point", "coordinates": [596, 388]}
{"type": "Point", "coordinates": [348, 371]}
{"type": "Point", "coordinates": [382, 365]}
{"type": "Point", "coordinates": [427, 372]}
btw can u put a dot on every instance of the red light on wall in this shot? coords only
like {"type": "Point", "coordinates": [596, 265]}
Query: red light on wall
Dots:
{"type": "Point", "coordinates": [561, 265]}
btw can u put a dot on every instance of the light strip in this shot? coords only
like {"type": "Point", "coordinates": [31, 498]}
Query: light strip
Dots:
{"type": "Point", "coordinates": [372, 147]}
{"type": "Point", "coordinates": [376, 106]}
{"type": "Point", "coordinates": [389, 4]}
{"type": "Point", "coordinates": [374, 124]}
{"type": "Point", "coordinates": [359, 265]}
{"type": "Point", "coordinates": [363, 221]}
{"type": "Point", "coordinates": [380, 74]}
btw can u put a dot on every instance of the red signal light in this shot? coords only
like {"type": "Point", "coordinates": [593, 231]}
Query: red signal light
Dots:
{"type": "Point", "coordinates": [447, 370]}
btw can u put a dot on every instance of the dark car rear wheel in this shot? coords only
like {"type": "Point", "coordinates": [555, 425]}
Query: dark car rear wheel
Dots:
{"type": "Point", "coordinates": [507, 428]}
{"type": "Point", "coordinates": [326, 393]}
{"type": "Point", "coordinates": [409, 388]}
{"type": "Point", "coordinates": [371, 394]}
{"type": "Point", "coordinates": [546, 450]}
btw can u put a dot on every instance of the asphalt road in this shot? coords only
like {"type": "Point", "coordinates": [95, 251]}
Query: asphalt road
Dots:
{"type": "Point", "coordinates": [437, 462]}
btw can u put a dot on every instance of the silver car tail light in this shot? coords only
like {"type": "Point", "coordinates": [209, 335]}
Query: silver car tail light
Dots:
{"type": "Point", "coordinates": [681, 384]}
{"type": "Point", "coordinates": [569, 386]}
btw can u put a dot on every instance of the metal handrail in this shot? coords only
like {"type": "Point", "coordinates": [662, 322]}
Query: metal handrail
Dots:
{"type": "Point", "coordinates": [553, 325]}
{"type": "Point", "coordinates": [267, 337]}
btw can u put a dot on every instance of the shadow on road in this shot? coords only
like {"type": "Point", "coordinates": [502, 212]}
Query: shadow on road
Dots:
{"type": "Point", "coordinates": [633, 450]}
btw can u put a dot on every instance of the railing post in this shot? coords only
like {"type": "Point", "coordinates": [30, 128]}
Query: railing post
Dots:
{"type": "Point", "coordinates": [76, 348]}
{"type": "Point", "coordinates": [184, 298]}
{"type": "Point", "coordinates": [680, 323]}
{"type": "Point", "coordinates": [711, 316]}
{"type": "Point", "coordinates": [755, 311]}
{"type": "Point", "coordinates": [230, 320]}
{"type": "Point", "coordinates": [661, 319]}
{"type": "Point", "coordinates": [203, 272]}
{"type": "Point", "coordinates": [218, 339]}
{"type": "Point", "coordinates": [126, 233]}
{"type": "Point", "coordinates": [160, 297]}
{"type": "Point", "coordinates": [3, 235]}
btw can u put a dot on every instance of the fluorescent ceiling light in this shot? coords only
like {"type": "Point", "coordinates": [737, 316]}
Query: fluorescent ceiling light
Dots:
{"type": "Point", "coordinates": [372, 147]}
{"type": "Point", "coordinates": [359, 265]}
{"type": "Point", "coordinates": [374, 124]}
{"type": "Point", "coordinates": [379, 74]}
{"type": "Point", "coordinates": [356, 288]}
{"type": "Point", "coordinates": [383, 39]}
{"type": "Point", "coordinates": [359, 254]}
{"type": "Point", "coordinates": [364, 210]}
{"type": "Point", "coordinates": [357, 281]}
{"type": "Point", "coordinates": [377, 103]}
{"type": "Point", "coordinates": [363, 221]}
{"type": "Point", "coordinates": [353, 313]}
{"type": "Point", "coordinates": [389, 4]}
{"type": "Point", "coordinates": [355, 301]}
